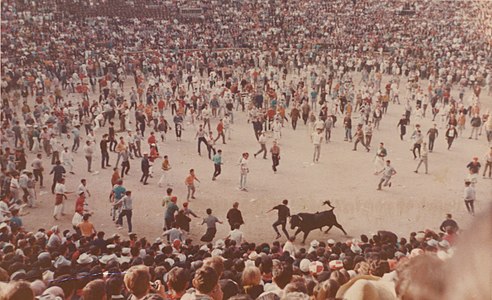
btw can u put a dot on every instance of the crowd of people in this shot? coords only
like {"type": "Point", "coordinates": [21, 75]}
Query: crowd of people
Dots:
{"type": "Point", "coordinates": [117, 88]}
{"type": "Point", "coordinates": [51, 264]}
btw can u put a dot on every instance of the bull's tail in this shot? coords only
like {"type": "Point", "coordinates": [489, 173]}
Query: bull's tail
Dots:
{"type": "Point", "coordinates": [328, 202]}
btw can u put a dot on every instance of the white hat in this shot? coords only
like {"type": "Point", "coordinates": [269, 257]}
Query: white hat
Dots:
{"type": "Point", "coordinates": [111, 246]}
{"type": "Point", "coordinates": [124, 259]}
{"type": "Point", "coordinates": [314, 243]}
{"type": "Point", "coordinates": [217, 252]}
{"type": "Point", "coordinates": [204, 248]}
{"type": "Point", "coordinates": [84, 259]}
{"type": "Point", "coordinates": [125, 251]}
{"type": "Point", "coordinates": [61, 261]}
{"type": "Point", "coordinates": [355, 248]}
{"type": "Point", "coordinates": [219, 244]}
{"type": "Point", "coordinates": [316, 267]}
{"type": "Point", "coordinates": [444, 244]}
{"type": "Point", "coordinates": [253, 255]}
{"type": "Point", "coordinates": [170, 261]}
{"type": "Point", "coordinates": [106, 258]}
{"type": "Point", "coordinates": [3, 225]}
{"type": "Point", "coordinates": [331, 242]}
{"type": "Point", "coordinates": [432, 243]}
{"type": "Point", "coordinates": [336, 264]}
{"type": "Point", "coordinates": [304, 265]}
{"type": "Point", "coordinates": [181, 257]}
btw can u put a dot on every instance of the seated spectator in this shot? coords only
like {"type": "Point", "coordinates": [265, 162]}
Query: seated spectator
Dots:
{"type": "Point", "coordinates": [95, 290]}
{"type": "Point", "coordinates": [206, 284]}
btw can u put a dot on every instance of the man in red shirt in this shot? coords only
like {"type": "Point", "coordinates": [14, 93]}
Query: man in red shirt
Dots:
{"type": "Point", "coordinates": [79, 210]}
{"type": "Point", "coordinates": [160, 106]}
{"type": "Point", "coordinates": [220, 132]}
{"type": "Point", "coordinates": [151, 140]}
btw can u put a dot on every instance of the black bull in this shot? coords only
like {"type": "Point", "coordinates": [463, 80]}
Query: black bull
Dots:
{"type": "Point", "coordinates": [307, 222]}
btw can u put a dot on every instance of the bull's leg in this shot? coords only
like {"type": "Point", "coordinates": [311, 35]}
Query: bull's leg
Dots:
{"type": "Point", "coordinates": [340, 227]}
{"type": "Point", "coordinates": [305, 236]}
{"type": "Point", "coordinates": [329, 227]}
{"type": "Point", "coordinates": [297, 232]}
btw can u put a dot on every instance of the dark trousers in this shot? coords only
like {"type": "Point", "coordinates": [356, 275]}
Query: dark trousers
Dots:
{"type": "Point", "coordinates": [128, 213]}
{"type": "Point", "coordinates": [450, 141]}
{"type": "Point", "coordinates": [55, 180]}
{"type": "Point", "coordinates": [112, 145]}
{"type": "Point", "coordinates": [210, 149]}
{"type": "Point", "coordinates": [357, 141]}
{"type": "Point", "coordinates": [470, 206]}
{"type": "Point", "coordinates": [200, 141]}
{"type": "Point", "coordinates": [294, 124]}
{"type": "Point", "coordinates": [76, 144]}
{"type": "Point", "coordinates": [283, 223]}
{"type": "Point", "coordinates": [38, 176]}
{"type": "Point", "coordinates": [275, 161]}
{"type": "Point", "coordinates": [177, 128]}
{"type": "Point", "coordinates": [89, 163]}
{"type": "Point", "coordinates": [125, 168]}
{"type": "Point", "coordinates": [263, 149]}
{"type": "Point", "coordinates": [431, 144]}
{"type": "Point", "coordinates": [145, 176]}
{"type": "Point", "coordinates": [209, 235]}
{"type": "Point", "coordinates": [416, 147]}
{"type": "Point", "coordinates": [488, 165]}
{"type": "Point", "coordinates": [217, 171]}
{"type": "Point", "coordinates": [221, 134]}
{"type": "Point", "coordinates": [104, 159]}
{"type": "Point", "coordinates": [368, 140]}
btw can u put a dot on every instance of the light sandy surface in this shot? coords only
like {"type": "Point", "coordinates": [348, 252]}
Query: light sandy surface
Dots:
{"type": "Point", "coordinates": [414, 202]}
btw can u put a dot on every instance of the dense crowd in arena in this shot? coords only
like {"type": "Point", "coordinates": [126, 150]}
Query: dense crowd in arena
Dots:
{"type": "Point", "coordinates": [123, 76]}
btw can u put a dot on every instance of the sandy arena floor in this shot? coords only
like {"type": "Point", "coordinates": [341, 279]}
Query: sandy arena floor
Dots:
{"type": "Point", "coordinates": [414, 202]}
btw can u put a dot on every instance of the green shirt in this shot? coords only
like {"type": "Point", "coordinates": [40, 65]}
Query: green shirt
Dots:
{"type": "Point", "coordinates": [217, 159]}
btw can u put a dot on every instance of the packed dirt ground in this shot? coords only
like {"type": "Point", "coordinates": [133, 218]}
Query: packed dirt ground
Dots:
{"type": "Point", "coordinates": [346, 178]}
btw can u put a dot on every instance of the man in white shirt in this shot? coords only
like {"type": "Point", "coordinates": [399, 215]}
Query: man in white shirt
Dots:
{"type": "Point", "coordinates": [469, 196]}
{"type": "Point", "coordinates": [88, 152]}
{"type": "Point", "coordinates": [316, 138]}
{"type": "Point", "coordinates": [206, 113]}
{"type": "Point", "coordinates": [55, 149]}
{"type": "Point", "coordinates": [236, 235]}
{"type": "Point", "coordinates": [244, 170]}
{"type": "Point", "coordinates": [60, 195]}
{"type": "Point", "coordinates": [262, 141]}
{"type": "Point", "coordinates": [82, 188]}
{"type": "Point", "coordinates": [277, 130]}
{"type": "Point", "coordinates": [67, 160]}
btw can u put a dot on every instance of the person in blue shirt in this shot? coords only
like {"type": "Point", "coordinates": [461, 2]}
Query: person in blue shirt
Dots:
{"type": "Point", "coordinates": [118, 192]}
{"type": "Point", "coordinates": [171, 210]}
{"type": "Point", "coordinates": [217, 159]}
{"type": "Point", "coordinates": [15, 221]}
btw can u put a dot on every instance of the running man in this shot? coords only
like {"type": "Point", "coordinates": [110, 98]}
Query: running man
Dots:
{"type": "Point", "coordinates": [283, 214]}
{"type": "Point", "coordinates": [388, 172]}
{"type": "Point", "coordinates": [190, 184]}
{"type": "Point", "coordinates": [316, 139]}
